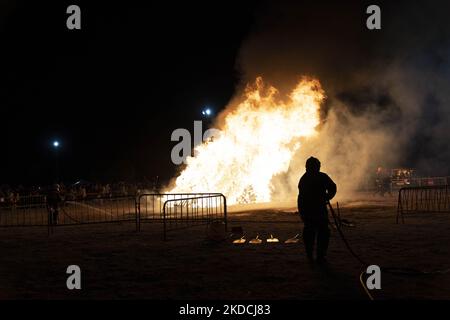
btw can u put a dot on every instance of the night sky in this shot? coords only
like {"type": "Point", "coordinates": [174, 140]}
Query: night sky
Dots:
{"type": "Point", "coordinates": [114, 91]}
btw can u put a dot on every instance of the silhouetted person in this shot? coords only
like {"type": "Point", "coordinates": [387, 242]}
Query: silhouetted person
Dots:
{"type": "Point", "coordinates": [315, 190]}
{"type": "Point", "coordinates": [53, 201]}
{"type": "Point", "coordinates": [386, 188]}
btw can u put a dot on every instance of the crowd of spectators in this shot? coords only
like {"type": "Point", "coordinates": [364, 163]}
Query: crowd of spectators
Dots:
{"type": "Point", "coordinates": [81, 190]}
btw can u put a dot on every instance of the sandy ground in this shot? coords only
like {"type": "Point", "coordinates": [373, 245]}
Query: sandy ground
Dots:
{"type": "Point", "coordinates": [119, 263]}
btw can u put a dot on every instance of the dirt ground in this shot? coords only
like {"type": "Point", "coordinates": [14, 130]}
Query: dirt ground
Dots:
{"type": "Point", "coordinates": [119, 263]}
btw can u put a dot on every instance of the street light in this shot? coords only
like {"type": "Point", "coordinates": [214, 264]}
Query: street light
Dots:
{"type": "Point", "coordinates": [207, 112]}
{"type": "Point", "coordinates": [56, 146]}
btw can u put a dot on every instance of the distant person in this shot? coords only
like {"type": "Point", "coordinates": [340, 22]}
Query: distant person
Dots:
{"type": "Point", "coordinates": [82, 193]}
{"type": "Point", "coordinates": [315, 189]}
{"type": "Point", "coordinates": [53, 200]}
{"type": "Point", "coordinates": [16, 199]}
{"type": "Point", "coordinates": [386, 186]}
{"type": "Point", "coordinates": [108, 191]}
{"type": "Point", "coordinates": [124, 191]}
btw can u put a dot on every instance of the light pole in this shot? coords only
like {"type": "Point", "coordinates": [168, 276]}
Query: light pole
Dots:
{"type": "Point", "coordinates": [56, 146]}
{"type": "Point", "coordinates": [207, 114]}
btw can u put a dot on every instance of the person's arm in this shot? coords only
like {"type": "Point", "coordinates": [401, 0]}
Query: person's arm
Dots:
{"type": "Point", "coordinates": [331, 188]}
{"type": "Point", "coordinates": [299, 198]}
{"type": "Point", "coordinates": [299, 208]}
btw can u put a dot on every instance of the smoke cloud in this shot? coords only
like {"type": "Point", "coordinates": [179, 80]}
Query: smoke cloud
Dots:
{"type": "Point", "coordinates": [387, 90]}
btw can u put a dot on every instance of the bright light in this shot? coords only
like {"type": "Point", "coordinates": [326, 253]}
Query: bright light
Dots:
{"type": "Point", "coordinates": [56, 144]}
{"type": "Point", "coordinates": [206, 112]}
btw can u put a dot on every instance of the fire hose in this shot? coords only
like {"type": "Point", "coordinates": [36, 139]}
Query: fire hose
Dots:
{"type": "Point", "coordinates": [70, 217]}
{"type": "Point", "coordinates": [391, 270]}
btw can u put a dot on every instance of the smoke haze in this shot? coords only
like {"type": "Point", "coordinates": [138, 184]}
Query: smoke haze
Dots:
{"type": "Point", "coordinates": [387, 90]}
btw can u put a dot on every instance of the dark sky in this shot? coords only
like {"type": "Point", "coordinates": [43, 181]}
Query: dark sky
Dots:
{"type": "Point", "coordinates": [113, 92]}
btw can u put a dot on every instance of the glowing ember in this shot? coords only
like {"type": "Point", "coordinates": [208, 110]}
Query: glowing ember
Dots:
{"type": "Point", "coordinates": [258, 140]}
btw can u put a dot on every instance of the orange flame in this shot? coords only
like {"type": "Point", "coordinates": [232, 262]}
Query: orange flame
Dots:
{"type": "Point", "coordinates": [258, 140]}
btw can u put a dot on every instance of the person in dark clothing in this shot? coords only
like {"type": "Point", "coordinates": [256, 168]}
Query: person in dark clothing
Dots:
{"type": "Point", "coordinates": [315, 189]}
{"type": "Point", "coordinates": [386, 186]}
{"type": "Point", "coordinates": [53, 201]}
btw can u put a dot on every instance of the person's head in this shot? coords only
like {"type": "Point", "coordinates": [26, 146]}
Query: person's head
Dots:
{"type": "Point", "coordinates": [312, 165]}
{"type": "Point", "coordinates": [56, 187]}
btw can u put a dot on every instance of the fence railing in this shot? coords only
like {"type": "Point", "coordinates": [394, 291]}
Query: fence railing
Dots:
{"type": "Point", "coordinates": [188, 209]}
{"type": "Point", "coordinates": [186, 212]}
{"type": "Point", "coordinates": [430, 181]}
{"type": "Point", "coordinates": [150, 205]}
{"type": "Point", "coordinates": [423, 199]}
{"type": "Point", "coordinates": [25, 211]}
{"type": "Point", "coordinates": [69, 212]}
{"type": "Point", "coordinates": [398, 183]}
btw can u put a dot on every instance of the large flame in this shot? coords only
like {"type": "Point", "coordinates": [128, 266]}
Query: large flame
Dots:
{"type": "Point", "coordinates": [258, 140]}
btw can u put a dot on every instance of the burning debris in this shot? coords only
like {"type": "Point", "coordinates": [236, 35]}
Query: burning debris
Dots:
{"type": "Point", "coordinates": [258, 140]}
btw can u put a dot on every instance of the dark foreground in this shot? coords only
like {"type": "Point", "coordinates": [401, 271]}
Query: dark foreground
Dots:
{"type": "Point", "coordinates": [117, 262]}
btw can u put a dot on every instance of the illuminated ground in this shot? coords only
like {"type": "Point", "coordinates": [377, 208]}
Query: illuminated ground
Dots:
{"type": "Point", "coordinates": [117, 262]}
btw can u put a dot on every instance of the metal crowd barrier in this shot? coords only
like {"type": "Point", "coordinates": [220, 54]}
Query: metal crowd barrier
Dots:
{"type": "Point", "coordinates": [430, 181]}
{"type": "Point", "coordinates": [150, 205]}
{"type": "Point", "coordinates": [115, 209]}
{"type": "Point", "coordinates": [34, 212]}
{"type": "Point", "coordinates": [187, 212]}
{"type": "Point", "coordinates": [187, 209]}
{"type": "Point", "coordinates": [423, 199]}
{"type": "Point", "coordinates": [24, 211]}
